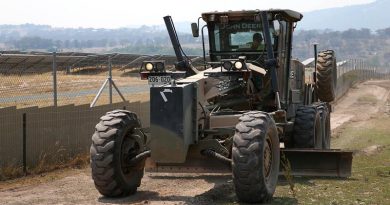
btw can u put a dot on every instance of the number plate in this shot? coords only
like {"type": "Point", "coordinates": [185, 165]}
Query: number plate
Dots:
{"type": "Point", "coordinates": [159, 80]}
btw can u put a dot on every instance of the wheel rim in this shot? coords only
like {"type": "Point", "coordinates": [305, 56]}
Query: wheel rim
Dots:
{"type": "Point", "coordinates": [267, 161]}
{"type": "Point", "coordinates": [129, 149]}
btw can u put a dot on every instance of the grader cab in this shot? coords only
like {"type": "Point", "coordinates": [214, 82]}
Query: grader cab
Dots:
{"type": "Point", "coordinates": [247, 106]}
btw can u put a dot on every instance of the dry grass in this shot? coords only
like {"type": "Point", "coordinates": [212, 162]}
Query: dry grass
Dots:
{"type": "Point", "coordinates": [50, 166]}
{"type": "Point", "coordinates": [86, 99]}
{"type": "Point", "coordinates": [54, 157]}
{"type": "Point", "coordinates": [10, 172]}
{"type": "Point", "coordinates": [287, 174]}
{"type": "Point", "coordinates": [47, 163]}
{"type": "Point", "coordinates": [33, 85]}
{"type": "Point", "coordinates": [78, 162]}
{"type": "Point", "coordinates": [59, 158]}
{"type": "Point", "coordinates": [367, 99]}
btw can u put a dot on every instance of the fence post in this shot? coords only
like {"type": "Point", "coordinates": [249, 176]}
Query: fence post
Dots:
{"type": "Point", "coordinates": [55, 79]}
{"type": "Point", "coordinates": [24, 143]}
{"type": "Point", "coordinates": [110, 79]}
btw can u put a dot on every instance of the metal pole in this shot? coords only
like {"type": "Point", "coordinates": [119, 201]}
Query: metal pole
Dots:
{"type": "Point", "coordinates": [99, 93]}
{"type": "Point", "coordinates": [24, 144]}
{"type": "Point", "coordinates": [204, 49]}
{"type": "Point", "coordinates": [270, 56]}
{"type": "Point", "coordinates": [110, 79]}
{"type": "Point", "coordinates": [119, 92]}
{"type": "Point", "coordinates": [363, 71]}
{"type": "Point", "coordinates": [361, 68]}
{"type": "Point", "coordinates": [371, 74]}
{"type": "Point", "coordinates": [339, 71]}
{"type": "Point", "coordinates": [55, 79]}
{"type": "Point", "coordinates": [315, 62]}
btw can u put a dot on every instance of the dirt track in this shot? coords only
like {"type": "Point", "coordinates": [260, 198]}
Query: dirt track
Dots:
{"type": "Point", "coordinates": [360, 103]}
{"type": "Point", "coordinates": [76, 186]}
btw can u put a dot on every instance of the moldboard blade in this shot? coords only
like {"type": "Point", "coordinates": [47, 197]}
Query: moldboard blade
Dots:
{"type": "Point", "coordinates": [310, 162]}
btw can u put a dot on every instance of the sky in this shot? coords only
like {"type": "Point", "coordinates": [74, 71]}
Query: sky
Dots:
{"type": "Point", "coordinates": [125, 13]}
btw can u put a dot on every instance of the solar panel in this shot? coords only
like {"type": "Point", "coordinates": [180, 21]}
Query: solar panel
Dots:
{"type": "Point", "coordinates": [17, 61]}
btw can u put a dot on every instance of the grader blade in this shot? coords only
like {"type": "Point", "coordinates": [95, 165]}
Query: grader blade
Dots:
{"type": "Point", "coordinates": [310, 162]}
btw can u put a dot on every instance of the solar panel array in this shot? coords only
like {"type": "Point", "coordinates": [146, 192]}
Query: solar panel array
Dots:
{"type": "Point", "coordinates": [25, 62]}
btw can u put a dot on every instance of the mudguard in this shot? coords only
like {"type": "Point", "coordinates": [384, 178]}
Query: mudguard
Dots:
{"type": "Point", "coordinates": [172, 124]}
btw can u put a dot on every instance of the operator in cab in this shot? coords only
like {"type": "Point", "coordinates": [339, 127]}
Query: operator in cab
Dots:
{"type": "Point", "coordinates": [260, 85]}
{"type": "Point", "coordinates": [257, 43]}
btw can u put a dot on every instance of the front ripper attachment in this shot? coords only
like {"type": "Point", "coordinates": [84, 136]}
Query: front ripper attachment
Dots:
{"type": "Point", "coordinates": [310, 162]}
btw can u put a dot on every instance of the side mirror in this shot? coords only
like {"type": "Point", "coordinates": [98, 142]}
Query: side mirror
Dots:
{"type": "Point", "coordinates": [195, 30]}
{"type": "Point", "coordinates": [276, 27]}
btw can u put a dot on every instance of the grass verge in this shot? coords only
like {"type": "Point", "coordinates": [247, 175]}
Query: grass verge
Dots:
{"type": "Point", "coordinates": [370, 180]}
{"type": "Point", "coordinates": [367, 99]}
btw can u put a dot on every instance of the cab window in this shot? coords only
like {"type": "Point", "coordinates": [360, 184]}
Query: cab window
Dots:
{"type": "Point", "coordinates": [236, 36]}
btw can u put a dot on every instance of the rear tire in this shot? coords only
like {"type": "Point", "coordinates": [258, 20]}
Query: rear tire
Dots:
{"type": "Point", "coordinates": [307, 132]}
{"type": "Point", "coordinates": [255, 157]}
{"type": "Point", "coordinates": [116, 140]}
{"type": "Point", "coordinates": [326, 76]}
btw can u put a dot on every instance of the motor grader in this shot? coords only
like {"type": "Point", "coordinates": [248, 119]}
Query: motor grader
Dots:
{"type": "Point", "coordinates": [243, 111]}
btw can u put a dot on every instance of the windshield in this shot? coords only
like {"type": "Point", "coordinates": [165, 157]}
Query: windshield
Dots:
{"type": "Point", "coordinates": [242, 37]}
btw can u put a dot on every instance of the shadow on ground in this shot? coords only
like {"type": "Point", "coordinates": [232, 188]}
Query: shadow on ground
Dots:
{"type": "Point", "coordinates": [309, 181]}
{"type": "Point", "coordinates": [221, 193]}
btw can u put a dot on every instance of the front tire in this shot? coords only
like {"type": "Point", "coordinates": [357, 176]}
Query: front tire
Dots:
{"type": "Point", "coordinates": [255, 157]}
{"type": "Point", "coordinates": [115, 142]}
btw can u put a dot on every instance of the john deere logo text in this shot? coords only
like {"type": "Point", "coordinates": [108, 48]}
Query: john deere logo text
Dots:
{"type": "Point", "coordinates": [242, 26]}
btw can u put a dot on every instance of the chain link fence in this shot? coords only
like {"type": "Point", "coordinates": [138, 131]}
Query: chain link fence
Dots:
{"type": "Point", "coordinates": [352, 71]}
{"type": "Point", "coordinates": [26, 90]}
{"type": "Point", "coordinates": [44, 99]}
{"type": "Point", "coordinates": [29, 80]}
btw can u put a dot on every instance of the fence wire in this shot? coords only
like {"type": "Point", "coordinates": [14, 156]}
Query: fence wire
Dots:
{"type": "Point", "coordinates": [79, 81]}
{"type": "Point", "coordinates": [29, 80]}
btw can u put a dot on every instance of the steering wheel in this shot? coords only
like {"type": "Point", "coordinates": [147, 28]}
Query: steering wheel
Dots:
{"type": "Point", "coordinates": [259, 61]}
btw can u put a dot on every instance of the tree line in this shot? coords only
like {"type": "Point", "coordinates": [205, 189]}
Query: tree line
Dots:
{"type": "Point", "coordinates": [352, 43]}
{"type": "Point", "coordinates": [373, 46]}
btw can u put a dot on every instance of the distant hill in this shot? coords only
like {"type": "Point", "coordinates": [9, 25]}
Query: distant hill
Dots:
{"type": "Point", "coordinates": [373, 16]}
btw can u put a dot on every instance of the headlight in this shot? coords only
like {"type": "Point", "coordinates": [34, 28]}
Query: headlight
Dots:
{"type": "Point", "coordinates": [149, 66]}
{"type": "Point", "coordinates": [238, 65]}
{"type": "Point", "coordinates": [227, 65]}
{"type": "Point", "coordinates": [160, 67]}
